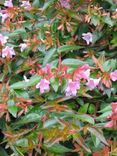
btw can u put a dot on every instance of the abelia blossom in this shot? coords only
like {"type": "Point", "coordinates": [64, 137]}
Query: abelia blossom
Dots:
{"type": "Point", "coordinates": [8, 3]}
{"type": "Point", "coordinates": [23, 46]}
{"type": "Point", "coordinates": [112, 116]}
{"type": "Point", "coordinates": [65, 3]}
{"type": "Point", "coordinates": [82, 72]}
{"type": "Point", "coordinates": [43, 85]}
{"type": "Point", "coordinates": [8, 52]}
{"type": "Point", "coordinates": [72, 88]}
{"type": "Point", "coordinates": [92, 83]}
{"type": "Point", "coordinates": [3, 39]}
{"type": "Point", "coordinates": [114, 107]}
{"type": "Point", "coordinates": [26, 5]}
{"type": "Point", "coordinates": [113, 75]}
{"type": "Point", "coordinates": [4, 15]}
{"type": "Point", "coordinates": [88, 37]}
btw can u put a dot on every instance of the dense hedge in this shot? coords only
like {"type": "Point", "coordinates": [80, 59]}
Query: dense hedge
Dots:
{"type": "Point", "coordinates": [58, 77]}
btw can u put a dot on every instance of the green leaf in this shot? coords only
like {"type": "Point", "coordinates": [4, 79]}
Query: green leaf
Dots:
{"type": "Point", "coordinates": [12, 108]}
{"type": "Point", "coordinates": [91, 109]}
{"type": "Point", "coordinates": [67, 48]}
{"type": "Point", "coordinates": [36, 3]}
{"type": "Point", "coordinates": [20, 93]}
{"type": "Point", "coordinates": [50, 123]}
{"type": "Point", "coordinates": [84, 108]}
{"type": "Point", "coordinates": [98, 134]}
{"type": "Point", "coordinates": [55, 83]}
{"type": "Point", "coordinates": [48, 4]}
{"type": "Point", "coordinates": [104, 115]}
{"type": "Point", "coordinates": [96, 36]}
{"type": "Point", "coordinates": [73, 62]}
{"type": "Point", "coordinates": [106, 109]}
{"type": "Point", "coordinates": [108, 20]}
{"type": "Point", "coordinates": [58, 148]}
{"type": "Point", "coordinates": [48, 56]}
{"type": "Point", "coordinates": [22, 142]}
{"type": "Point", "coordinates": [85, 118]}
{"type": "Point", "coordinates": [32, 117]}
{"type": "Point", "coordinates": [22, 84]}
{"type": "Point", "coordinates": [3, 152]}
{"type": "Point", "coordinates": [21, 32]}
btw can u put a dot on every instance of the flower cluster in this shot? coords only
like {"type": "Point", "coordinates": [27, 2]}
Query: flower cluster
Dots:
{"type": "Point", "coordinates": [79, 75]}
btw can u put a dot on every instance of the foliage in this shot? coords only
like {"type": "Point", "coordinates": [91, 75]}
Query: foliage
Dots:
{"type": "Point", "coordinates": [58, 77]}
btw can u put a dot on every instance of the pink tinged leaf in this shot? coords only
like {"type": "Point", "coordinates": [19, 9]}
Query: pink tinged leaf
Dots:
{"type": "Point", "coordinates": [92, 83]}
{"type": "Point", "coordinates": [3, 39]}
{"type": "Point", "coordinates": [82, 72]}
{"type": "Point", "coordinates": [72, 88]}
{"type": "Point", "coordinates": [88, 37]}
{"type": "Point", "coordinates": [43, 85]}
{"type": "Point", "coordinates": [109, 124]}
{"type": "Point", "coordinates": [8, 52]}
{"type": "Point", "coordinates": [8, 3]}
{"type": "Point", "coordinates": [113, 75]}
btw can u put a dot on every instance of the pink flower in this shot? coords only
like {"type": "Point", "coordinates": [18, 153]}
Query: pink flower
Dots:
{"type": "Point", "coordinates": [92, 83]}
{"type": "Point", "coordinates": [4, 15]}
{"type": "Point", "coordinates": [65, 4]}
{"type": "Point", "coordinates": [113, 75]}
{"type": "Point", "coordinates": [23, 46]}
{"type": "Point", "coordinates": [114, 107]}
{"type": "Point", "coordinates": [3, 39]}
{"type": "Point", "coordinates": [112, 116]}
{"type": "Point", "coordinates": [88, 37]}
{"type": "Point", "coordinates": [82, 72]}
{"type": "Point", "coordinates": [72, 87]}
{"type": "Point", "coordinates": [8, 3]}
{"type": "Point", "coordinates": [26, 5]}
{"type": "Point", "coordinates": [43, 85]}
{"type": "Point", "coordinates": [8, 52]}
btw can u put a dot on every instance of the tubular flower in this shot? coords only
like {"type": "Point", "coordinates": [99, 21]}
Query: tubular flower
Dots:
{"type": "Point", "coordinates": [113, 75]}
{"type": "Point", "coordinates": [43, 85]}
{"type": "Point", "coordinates": [26, 5]}
{"type": "Point", "coordinates": [4, 15]}
{"type": "Point", "coordinates": [113, 116]}
{"type": "Point", "coordinates": [8, 3]}
{"type": "Point", "coordinates": [3, 39]}
{"type": "Point", "coordinates": [72, 88]}
{"type": "Point", "coordinates": [65, 4]}
{"type": "Point", "coordinates": [88, 37]}
{"type": "Point", "coordinates": [8, 52]}
{"type": "Point", "coordinates": [92, 83]}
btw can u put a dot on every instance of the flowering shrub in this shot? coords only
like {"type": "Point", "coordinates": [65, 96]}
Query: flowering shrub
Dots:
{"type": "Point", "coordinates": [58, 77]}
